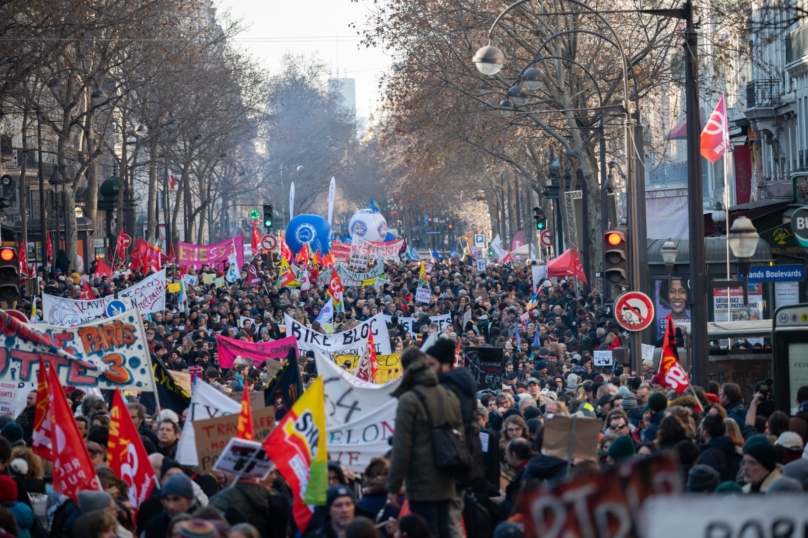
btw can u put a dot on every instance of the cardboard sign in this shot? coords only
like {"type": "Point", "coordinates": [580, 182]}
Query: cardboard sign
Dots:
{"type": "Point", "coordinates": [647, 352]}
{"type": "Point", "coordinates": [256, 397]}
{"type": "Point", "coordinates": [566, 436]}
{"type": "Point", "coordinates": [480, 265]}
{"type": "Point", "coordinates": [244, 458]}
{"type": "Point", "coordinates": [480, 293]}
{"type": "Point", "coordinates": [213, 435]}
{"type": "Point", "coordinates": [183, 380]}
{"type": "Point", "coordinates": [208, 278]}
{"type": "Point", "coordinates": [486, 365]}
{"type": "Point", "coordinates": [603, 358]}
{"type": "Point", "coordinates": [422, 295]}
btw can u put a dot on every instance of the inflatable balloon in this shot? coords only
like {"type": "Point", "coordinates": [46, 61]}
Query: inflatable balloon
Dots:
{"type": "Point", "coordinates": [369, 225]}
{"type": "Point", "coordinates": [389, 237]}
{"type": "Point", "coordinates": [311, 229]}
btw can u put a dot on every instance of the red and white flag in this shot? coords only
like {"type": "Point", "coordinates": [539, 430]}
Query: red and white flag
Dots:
{"type": "Point", "coordinates": [23, 260]}
{"type": "Point", "coordinates": [126, 455]}
{"type": "Point", "coordinates": [102, 269]}
{"type": "Point", "coordinates": [41, 439]}
{"type": "Point", "coordinates": [172, 181]}
{"type": "Point", "coordinates": [670, 369]}
{"type": "Point", "coordinates": [73, 469]}
{"type": "Point", "coordinates": [255, 239]}
{"type": "Point", "coordinates": [120, 245]}
{"type": "Point", "coordinates": [244, 428]}
{"type": "Point", "coordinates": [715, 136]}
{"type": "Point", "coordinates": [368, 365]}
{"type": "Point", "coordinates": [87, 292]}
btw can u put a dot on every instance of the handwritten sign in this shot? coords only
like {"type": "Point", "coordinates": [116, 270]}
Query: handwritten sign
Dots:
{"type": "Point", "coordinates": [183, 380]}
{"type": "Point", "coordinates": [422, 295]}
{"type": "Point", "coordinates": [149, 293]}
{"type": "Point", "coordinates": [603, 358]}
{"type": "Point", "coordinates": [213, 435]}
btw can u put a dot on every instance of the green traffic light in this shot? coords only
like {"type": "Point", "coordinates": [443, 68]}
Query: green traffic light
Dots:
{"type": "Point", "coordinates": [268, 223]}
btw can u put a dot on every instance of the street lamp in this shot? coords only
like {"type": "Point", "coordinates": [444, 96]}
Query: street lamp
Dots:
{"type": "Point", "coordinates": [669, 253]}
{"type": "Point", "coordinates": [743, 239]}
{"type": "Point", "coordinates": [489, 60]}
{"type": "Point", "coordinates": [517, 95]}
{"type": "Point", "coordinates": [719, 217]}
{"type": "Point", "coordinates": [534, 78]}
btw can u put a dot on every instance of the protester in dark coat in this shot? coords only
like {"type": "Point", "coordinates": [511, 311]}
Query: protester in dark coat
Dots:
{"type": "Point", "coordinates": [261, 507]}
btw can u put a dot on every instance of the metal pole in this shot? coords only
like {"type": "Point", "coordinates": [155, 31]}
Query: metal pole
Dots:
{"type": "Point", "coordinates": [698, 272]}
{"type": "Point", "coordinates": [587, 239]}
{"type": "Point", "coordinates": [43, 221]}
{"type": "Point", "coordinates": [605, 291]}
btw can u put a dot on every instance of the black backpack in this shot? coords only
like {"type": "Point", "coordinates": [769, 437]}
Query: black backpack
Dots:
{"type": "Point", "coordinates": [449, 450]}
{"type": "Point", "coordinates": [476, 517]}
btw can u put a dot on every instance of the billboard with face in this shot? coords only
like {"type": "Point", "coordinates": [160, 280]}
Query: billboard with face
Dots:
{"type": "Point", "coordinates": [671, 298]}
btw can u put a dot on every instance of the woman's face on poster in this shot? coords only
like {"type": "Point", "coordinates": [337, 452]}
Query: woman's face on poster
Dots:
{"type": "Point", "coordinates": [677, 296]}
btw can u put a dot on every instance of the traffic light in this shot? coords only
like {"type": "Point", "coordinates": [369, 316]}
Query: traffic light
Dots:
{"type": "Point", "coordinates": [9, 274]}
{"type": "Point", "coordinates": [268, 218]}
{"type": "Point", "coordinates": [540, 218]}
{"type": "Point", "coordinates": [615, 254]}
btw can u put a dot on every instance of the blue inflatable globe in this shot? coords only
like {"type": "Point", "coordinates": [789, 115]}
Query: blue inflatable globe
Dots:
{"type": "Point", "coordinates": [313, 230]}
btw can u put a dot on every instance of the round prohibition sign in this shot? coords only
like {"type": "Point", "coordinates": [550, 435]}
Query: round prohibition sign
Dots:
{"type": "Point", "coordinates": [634, 311]}
{"type": "Point", "coordinates": [269, 242]}
{"type": "Point", "coordinates": [546, 238]}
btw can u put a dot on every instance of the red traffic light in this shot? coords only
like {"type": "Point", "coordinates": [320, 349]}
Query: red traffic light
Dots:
{"type": "Point", "coordinates": [7, 254]}
{"type": "Point", "coordinates": [614, 238]}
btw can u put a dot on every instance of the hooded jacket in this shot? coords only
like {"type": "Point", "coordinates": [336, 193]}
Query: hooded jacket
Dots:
{"type": "Point", "coordinates": [719, 453]}
{"type": "Point", "coordinates": [411, 460]}
{"type": "Point", "coordinates": [462, 384]}
{"type": "Point", "coordinates": [547, 468]}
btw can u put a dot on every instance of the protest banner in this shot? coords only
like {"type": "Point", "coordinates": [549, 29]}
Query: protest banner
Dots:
{"type": "Point", "coordinates": [389, 366]}
{"type": "Point", "coordinates": [647, 352]}
{"type": "Point", "coordinates": [183, 380]}
{"type": "Point", "coordinates": [466, 318]}
{"type": "Point", "coordinates": [174, 287]}
{"type": "Point", "coordinates": [149, 293]}
{"type": "Point", "coordinates": [601, 504]}
{"type": "Point", "coordinates": [191, 280]}
{"type": "Point", "coordinates": [246, 459]}
{"type": "Point", "coordinates": [212, 435]}
{"type": "Point", "coordinates": [190, 255]}
{"type": "Point", "coordinates": [104, 354]}
{"type": "Point", "coordinates": [725, 516]}
{"type": "Point", "coordinates": [422, 295]}
{"type": "Point", "coordinates": [206, 403]}
{"type": "Point", "coordinates": [603, 357]}
{"type": "Point", "coordinates": [256, 397]}
{"type": "Point", "coordinates": [349, 277]}
{"type": "Point", "coordinates": [258, 352]}
{"type": "Point", "coordinates": [208, 278]}
{"type": "Point", "coordinates": [486, 365]}
{"type": "Point", "coordinates": [351, 340]}
{"type": "Point", "coordinates": [66, 312]}
{"type": "Point", "coordinates": [8, 398]}
{"type": "Point", "coordinates": [571, 438]}
{"type": "Point", "coordinates": [388, 250]}
{"type": "Point", "coordinates": [410, 326]}
{"type": "Point", "coordinates": [360, 416]}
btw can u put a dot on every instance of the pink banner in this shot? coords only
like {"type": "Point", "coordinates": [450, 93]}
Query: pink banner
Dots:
{"type": "Point", "coordinates": [258, 352]}
{"type": "Point", "coordinates": [190, 255]}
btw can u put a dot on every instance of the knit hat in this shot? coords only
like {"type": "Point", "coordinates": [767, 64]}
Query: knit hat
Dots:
{"type": "Point", "coordinates": [629, 401]}
{"type": "Point", "coordinates": [12, 431]}
{"type": "Point", "coordinates": [658, 380]}
{"type": "Point", "coordinates": [531, 412]}
{"type": "Point", "coordinates": [797, 469]}
{"type": "Point", "coordinates": [789, 441]}
{"type": "Point", "coordinates": [729, 487]}
{"type": "Point", "coordinates": [94, 500]}
{"type": "Point", "coordinates": [759, 447]}
{"type": "Point", "coordinates": [8, 489]}
{"type": "Point", "coordinates": [197, 528]}
{"type": "Point", "coordinates": [443, 350]}
{"type": "Point", "coordinates": [784, 484]}
{"type": "Point", "coordinates": [338, 491]}
{"type": "Point", "coordinates": [657, 402]}
{"type": "Point", "coordinates": [179, 485]}
{"type": "Point", "coordinates": [623, 391]}
{"type": "Point", "coordinates": [169, 464]}
{"type": "Point", "coordinates": [702, 479]}
{"type": "Point", "coordinates": [621, 449]}
{"type": "Point", "coordinates": [541, 365]}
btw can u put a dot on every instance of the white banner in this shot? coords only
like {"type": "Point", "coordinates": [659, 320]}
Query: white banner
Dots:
{"type": "Point", "coordinates": [66, 312]}
{"type": "Point", "coordinates": [352, 341]}
{"type": "Point", "coordinates": [539, 274]}
{"type": "Point", "coordinates": [496, 246]}
{"type": "Point", "coordinates": [360, 416]}
{"type": "Point", "coordinates": [104, 354]}
{"type": "Point", "coordinates": [349, 277]}
{"type": "Point", "coordinates": [409, 323]}
{"type": "Point", "coordinates": [332, 192]}
{"type": "Point", "coordinates": [206, 402]}
{"type": "Point", "coordinates": [149, 293]}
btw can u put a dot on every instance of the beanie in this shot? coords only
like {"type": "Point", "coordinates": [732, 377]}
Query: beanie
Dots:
{"type": "Point", "coordinates": [759, 447]}
{"type": "Point", "coordinates": [729, 487]}
{"type": "Point", "coordinates": [443, 350]}
{"type": "Point", "coordinates": [702, 479]}
{"type": "Point", "coordinates": [657, 402]}
{"type": "Point", "coordinates": [621, 449]}
{"type": "Point", "coordinates": [94, 500]}
{"type": "Point", "coordinates": [531, 412]}
{"type": "Point", "coordinates": [338, 491]}
{"type": "Point", "coordinates": [179, 485]}
{"type": "Point", "coordinates": [169, 464]}
{"type": "Point", "coordinates": [8, 489]}
{"type": "Point", "coordinates": [629, 401]}
{"type": "Point", "coordinates": [784, 484]}
{"type": "Point", "coordinates": [12, 431]}
{"type": "Point", "coordinates": [541, 365]}
{"type": "Point", "coordinates": [197, 528]}
{"type": "Point", "coordinates": [658, 380]}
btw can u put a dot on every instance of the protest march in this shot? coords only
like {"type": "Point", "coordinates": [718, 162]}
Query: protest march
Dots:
{"type": "Point", "coordinates": [295, 393]}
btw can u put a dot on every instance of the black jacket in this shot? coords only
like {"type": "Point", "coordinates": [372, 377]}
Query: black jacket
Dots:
{"type": "Point", "coordinates": [461, 382]}
{"type": "Point", "coordinates": [720, 454]}
{"type": "Point", "coordinates": [547, 469]}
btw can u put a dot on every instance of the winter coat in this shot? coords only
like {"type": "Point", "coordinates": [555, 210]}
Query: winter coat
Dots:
{"type": "Point", "coordinates": [738, 413]}
{"type": "Point", "coordinates": [767, 482]}
{"type": "Point", "coordinates": [547, 469]}
{"type": "Point", "coordinates": [412, 459]}
{"type": "Point", "coordinates": [720, 454]}
{"type": "Point", "coordinates": [248, 502]}
{"type": "Point", "coordinates": [25, 518]}
{"type": "Point", "coordinates": [462, 384]}
{"type": "Point", "coordinates": [649, 433]}
{"type": "Point", "coordinates": [799, 424]}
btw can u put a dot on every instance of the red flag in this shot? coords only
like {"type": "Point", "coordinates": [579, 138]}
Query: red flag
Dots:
{"type": "Point", "coordinates": [87, 292]}
{"type": "Point", "coordinates": [335, 291]}
{"type": "Point", "coordinates": [286, 252]}
{"type": "Point", "coordinates": [255, 239]}
{"type": "Point", "coordinates": [670, 369]}
{"type": "Point", "coordinates": [102, 269]}
{"type": "Point", "coordinates": [715, 136]}
{"type": "Point", "coordinates": [48, 246]}
{"type": "Point", "coordinates": [244, 430]}
{"type": "Point", "coordinates": [73, 469]}
{"type": "Point", "coordinates": [126, 455]}
{"type": "Point", "coordinates": [253, 277]}
{"type": "Point", "coordinates": [171, 254]}
{"type": "Point", "coordinates": [23, 260]}
{"type": "Point", "coordinates": [121, 246]}
{"type": "Point", "coordinates": [368, 365]}
{"type": "Point", "coordinates": [41, 439]}
{"type": "Point", "coordinates": [458, 356]}
{"type": "Point", "coordinates": [172, 181]}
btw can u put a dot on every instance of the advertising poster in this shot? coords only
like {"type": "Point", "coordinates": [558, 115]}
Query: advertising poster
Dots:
{"type": "Point", "coordinates": [671, 298]}
{"type": "Point", "coordinates": [737, 310]}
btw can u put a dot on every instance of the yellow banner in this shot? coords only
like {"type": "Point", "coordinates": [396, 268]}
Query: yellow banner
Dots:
{"type": "Point", "coordinates": [389, 366]}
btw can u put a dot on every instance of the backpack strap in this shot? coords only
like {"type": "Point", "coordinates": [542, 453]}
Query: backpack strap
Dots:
{"type": "Point", "coordinates": [422, 399]}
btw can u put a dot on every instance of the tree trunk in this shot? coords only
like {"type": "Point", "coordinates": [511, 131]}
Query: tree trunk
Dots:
{"type": "Point", "coordinates": [151, 222]}
{"type": "Point", "coordinates": [91, 203]}
{"type": "Point", "coordinates": [71, 227]}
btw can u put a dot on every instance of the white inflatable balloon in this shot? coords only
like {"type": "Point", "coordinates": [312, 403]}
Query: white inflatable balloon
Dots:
{"type": "Point", "coordinates": [368, 225]}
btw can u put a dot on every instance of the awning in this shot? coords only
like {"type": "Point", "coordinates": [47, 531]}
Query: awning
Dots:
{"type": "Point", "coordinates": [679, 131]}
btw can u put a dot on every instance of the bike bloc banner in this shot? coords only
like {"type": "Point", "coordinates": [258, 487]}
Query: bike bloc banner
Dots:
{"type": "Point", "coordinates": [104, 354]}
{"type": "Point", "coordinates": [258, 352]}
{"type": "Point", "coordinates": [190, 255]}
{"type": "Point", "coordinates": [348, 342]}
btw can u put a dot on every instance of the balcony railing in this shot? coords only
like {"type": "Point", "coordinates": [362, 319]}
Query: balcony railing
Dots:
{"type": "Point", "coordinates": [763, 93]}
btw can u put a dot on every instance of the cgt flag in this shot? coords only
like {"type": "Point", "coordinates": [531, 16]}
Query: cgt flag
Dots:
{"type": "Point", "coordinates": [126, 455]}
{"type": "Point", "coordinates": [335, 292]}
{"type": "Point", "coordinates": [670, 369]}
{"type": "Point", "coordinates": [285, 388]}
{"type": "Point", "coordinates": [297, 445]}
{"type": "Point", "coordinates": [244, 428]}
{"type": "Point", "coordinates": [73, 469]}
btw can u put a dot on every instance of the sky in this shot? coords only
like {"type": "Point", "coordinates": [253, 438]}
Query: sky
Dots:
{"type": "Point", "coordinates": [274, 27]}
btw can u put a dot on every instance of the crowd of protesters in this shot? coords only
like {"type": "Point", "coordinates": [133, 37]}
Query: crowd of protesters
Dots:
{"type": "Point", "coordinates": [723, 445]}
